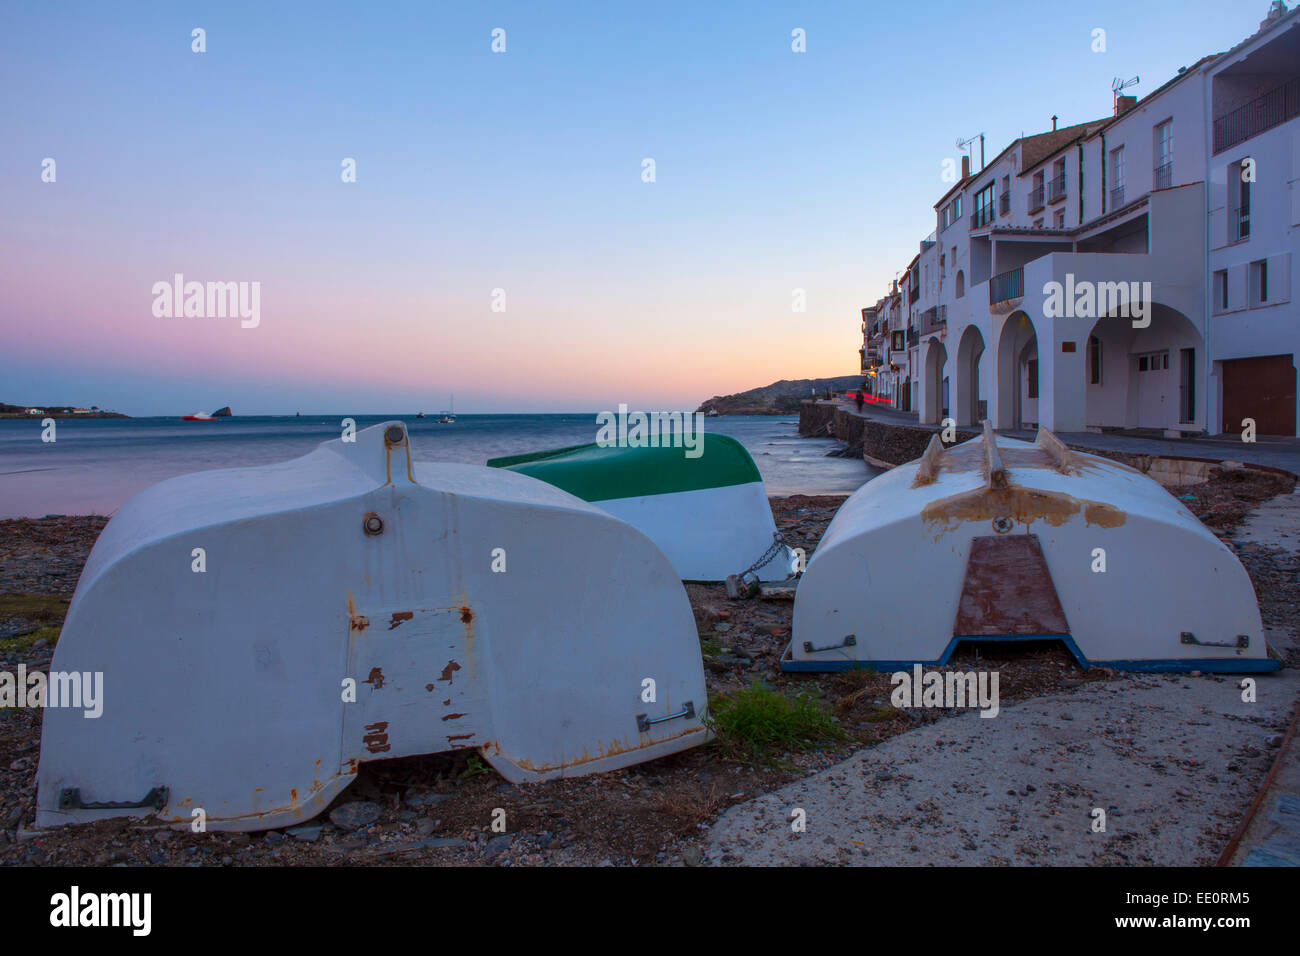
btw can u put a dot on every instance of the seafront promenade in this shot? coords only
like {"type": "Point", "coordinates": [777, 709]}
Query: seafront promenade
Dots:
{"type": "Point", "coordinates": [1283, 453]}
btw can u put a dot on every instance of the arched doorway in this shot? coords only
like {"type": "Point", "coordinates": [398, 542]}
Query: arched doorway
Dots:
{"type": "Point", "coordinates": [1017, 372]}
{"type": "Point", "coordinates": [1151, 377]}
{"type": "Point", "coordinates": [932, 399]}
{"type": "Point", "coordinates": [969, 350]}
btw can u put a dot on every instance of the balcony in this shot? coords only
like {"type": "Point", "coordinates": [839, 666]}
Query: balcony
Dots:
{"type": "Point", "coordinates": [1007, 285]}
{"type": "Point", "coordinates": [982, 216]}
{"type": "Point", "coordinates": [1163, 177]}
{"type": "Point", "coordinates": [913, 337]}
{"type": "Point", "coordinates": [934, 319]}
{"type": "Point", "coordinates": [1116, 198]}
{"type": "Point", "coordinates": [1004, 204]}
{"type": "Point", "coordinates": [1036, 198]}
{"type": "Point", "coordinates": [1056, 189]}
{"type": "Point", "coordinates": [1271, 109]}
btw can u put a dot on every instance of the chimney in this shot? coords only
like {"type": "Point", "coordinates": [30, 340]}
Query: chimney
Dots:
{"type": "Point", "coordinates": [1276, 11]}
{"type": "Point", "coordinates": [1124, 103]}
{"type": "Point", "coordinates": [1053, 122]}
{"type": "Point", "coordinates": [965, 167]}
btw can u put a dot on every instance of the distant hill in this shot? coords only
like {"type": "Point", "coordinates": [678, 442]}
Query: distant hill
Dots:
{"type": "Point", "coordinates": [779, 398]}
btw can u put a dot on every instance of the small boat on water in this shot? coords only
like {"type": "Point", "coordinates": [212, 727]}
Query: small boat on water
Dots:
{"type": "Point", "coordinates": [1004, 540]}
{"type": "Point", "coordinates": [198, 417]}
{"type": "Point", "coordinates": [709, 514]}
{"type": "Point", "coordinates": [448, 417]}
{"type": "Point", "coordinates": [354, 605]}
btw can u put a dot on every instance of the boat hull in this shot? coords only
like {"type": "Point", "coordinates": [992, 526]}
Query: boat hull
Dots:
{"type": "Point", "coordinates": [1095, 555]}
{"type": "Point", "coordinates": [709, 515]}
{"type": "Point", "coordinates": [345, 612]}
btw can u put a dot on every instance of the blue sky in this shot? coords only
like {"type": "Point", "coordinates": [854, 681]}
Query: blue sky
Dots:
{"type": "Point", "coordinates": [520, 171]}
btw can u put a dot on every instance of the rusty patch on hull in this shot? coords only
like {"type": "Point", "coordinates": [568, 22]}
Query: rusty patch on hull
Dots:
{"type": "Point", "coordinates": [1024, 505]}
{"type": "Point", "coordinates": [399, 617]}
{"type": "Point", "coordinates": [466, 615]}
{"type": "Point", "coordinates": [447, 671]}
{"type": "Point", "coordinates": [453, 716]}
{"type": "Point", "coordinates": [376, 737]}
{"type": "Point", "coordinates": [376, 678]}
{"type": "Point", "coordinates": [613, 750]}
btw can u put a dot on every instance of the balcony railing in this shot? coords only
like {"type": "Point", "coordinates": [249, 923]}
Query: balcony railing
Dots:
{"type": "Point", "coordinates": [1056, 189]}
{"type": "Point", "coordinates": [1036, 198]}
{"type": "Point", "coordinates": [934, 319]}
{"type": "Point", "coordinates": [1116, 198]}
{"type": "Point", "coordinates": [915, 294]}
{"type": "Point", "coordinates": [913, 336]}
{"type": "Point", "coordinates": [1262, 113]}
{"type": "Point", "coordinates": [1163, 176]}
{"type": "Point", "coordinates": [1007, 285]}
{"type": "Point", "coordinates": [982, 216]}
{"type": "Point", "coordinates": [1004, 204]}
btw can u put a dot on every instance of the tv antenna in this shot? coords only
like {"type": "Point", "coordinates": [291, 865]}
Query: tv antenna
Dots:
{"type": "Point", "coordinates": [1118, 85]}
{"type": "Point", "coordinates": [965, 144]}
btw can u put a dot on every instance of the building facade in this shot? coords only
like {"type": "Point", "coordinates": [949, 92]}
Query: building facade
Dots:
{"type": "Point", "coordinates": [1129, 272]}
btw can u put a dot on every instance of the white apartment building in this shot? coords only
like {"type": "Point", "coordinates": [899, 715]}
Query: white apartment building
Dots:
{"type": "Point", "coordinates": [1028, 320]}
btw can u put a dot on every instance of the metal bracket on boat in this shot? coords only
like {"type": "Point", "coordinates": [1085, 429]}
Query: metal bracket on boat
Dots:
{"type": "Point", "coordinates": [1241, 643]}
{"type": "Point", "coordinates": [643, 721]}
{"type": "Point", "coordinates": [849, 641]}
{"type": "Point", "coordinates": [70, 799]}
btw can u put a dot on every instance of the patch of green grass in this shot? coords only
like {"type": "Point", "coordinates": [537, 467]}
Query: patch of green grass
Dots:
{"type": "Point", "coordinates": [709, 647]}
{"type": "Point", "coordinates": [24, 642]}
{"type": "Point", "coordinates": [474, 766]}
{"type": "Point", "coordinates": [34, 607]}
{"type": "Point", "coordinates": [758, 722]}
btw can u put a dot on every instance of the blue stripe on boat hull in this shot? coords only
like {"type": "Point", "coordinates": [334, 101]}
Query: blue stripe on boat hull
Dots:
{"type": "Point", "coordinates": [1212, 665]}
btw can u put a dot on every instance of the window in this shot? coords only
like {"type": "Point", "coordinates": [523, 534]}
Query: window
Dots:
{"type": "Point", "coordinates": [1032, 369]}
{"type": "Point", "coordinates": [1036, 197]}
{"type": "Point", "coordinates": [1056, 187]}
{"type": "Point", "coordinates": [951, 213]}
{"type": "Point", "coordinates": [1239, 175]}
{"type": "Point", "coordinates": [1187, 407]}
{"type": "Point", "coordinates": [1259, 282]}
{"type": "Point", "coordinates": [1004, 201]}
{"type": "Point", "coordinates": [984, 206]}
{"type": "Point", "coordinates": [1164, 155]}
{"type": "Point", "coordinates": [1221, 289]}
{"type": "Point", "coordinates": [1117, 177]}
{"type": "Point", "coordinates": [1094, 360]}
{"type": "Point", "coordinates": [961, 284]}
{"type": "Point", "coordinates": [1060, 219]}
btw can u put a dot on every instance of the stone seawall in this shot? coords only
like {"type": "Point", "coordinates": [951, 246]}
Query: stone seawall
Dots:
{"type": "Point", "coordinates": [881, 444]}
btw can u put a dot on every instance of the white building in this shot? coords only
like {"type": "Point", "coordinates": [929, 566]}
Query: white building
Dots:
{"type": "Point", "coordinates": [1254, 217]}
{"type": "Point", "coordinates": [1028, 319]}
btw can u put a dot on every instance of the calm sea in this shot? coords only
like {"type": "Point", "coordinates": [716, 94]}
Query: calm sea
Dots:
{"type": "Point", "coordinates": [96, 465]}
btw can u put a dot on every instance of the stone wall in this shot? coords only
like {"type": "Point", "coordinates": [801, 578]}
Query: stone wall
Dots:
{"type": "Point", "coordinates": [881, 444]}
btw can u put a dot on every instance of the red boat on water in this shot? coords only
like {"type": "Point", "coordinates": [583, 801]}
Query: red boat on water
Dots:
{"type": "Point", "coordinates": [205, 417]}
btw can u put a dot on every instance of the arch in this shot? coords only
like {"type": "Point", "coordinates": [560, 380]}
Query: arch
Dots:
{"type": "Point", "coordinates": [961, 284]}
{"type": "Point", "coordinates": [1017, 371]}
{"type": "Point", "coordinates": [1134, 394]}
{"type": "Point", "coordinates": [936, 358]}
{"type": "Point", "coordinates": [969, 350]}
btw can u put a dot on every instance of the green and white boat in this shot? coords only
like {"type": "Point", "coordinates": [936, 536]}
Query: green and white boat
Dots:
{"type": "Point", "coordinates": [709, 515]}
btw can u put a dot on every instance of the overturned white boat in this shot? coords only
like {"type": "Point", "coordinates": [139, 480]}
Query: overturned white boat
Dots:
{"type": "Point", "coordinates": [262, 631]}
{"type": "Point", "coordinates": [709, 514]}
{"type": "Point", "coordinates": [998, 539]}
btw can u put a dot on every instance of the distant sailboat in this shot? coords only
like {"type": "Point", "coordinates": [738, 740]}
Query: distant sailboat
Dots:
{"type": "Point", "coordinates": [449, 417]}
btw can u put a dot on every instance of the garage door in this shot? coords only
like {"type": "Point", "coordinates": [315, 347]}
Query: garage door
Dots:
{"type": "Point", "coordinates": [1262, 389]}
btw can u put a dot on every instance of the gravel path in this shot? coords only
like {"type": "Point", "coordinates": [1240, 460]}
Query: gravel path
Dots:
{"type": "Point", "coordinates": [1173, 762]}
